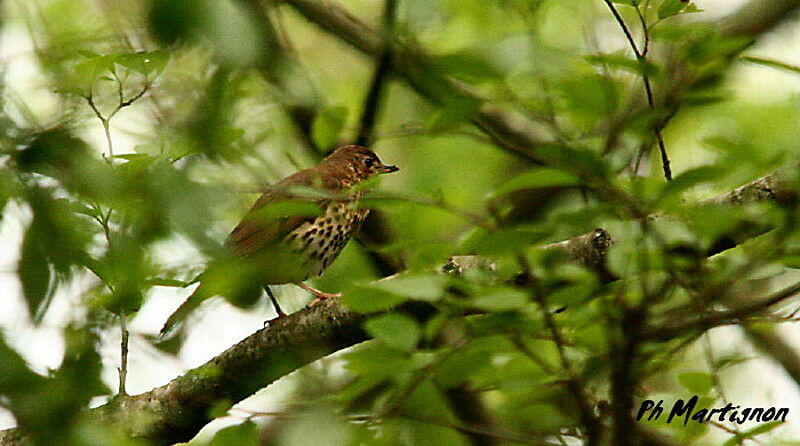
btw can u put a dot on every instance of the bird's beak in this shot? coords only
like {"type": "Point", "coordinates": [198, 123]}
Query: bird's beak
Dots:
{"type": "Point", "coordinates": [387, 169]}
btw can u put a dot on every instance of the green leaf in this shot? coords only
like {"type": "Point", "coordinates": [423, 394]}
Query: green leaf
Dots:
{"type": "Point", "coordinates": [33, 270]}
{"type": "Point", "coordinates": [572, 294]}
{"type": "Point", "coordinates": [144, 62]}
{"type": "Point", "coordinates": [378, 360]}
{"type": "Point", "coordinates": [537, 178]}
{"type": "Point", "coordinates": [328, 125]}
{"type": "Point", "coordinates": [689, 179]}
{"type": "Point", "coordinates": [620, 60]}
{"type": "Point", "coordinates": [670, 8]}
{"type": "Point", "coordinates": [394, 330]}
{"type": "Point", "coordinates": [367, 299]}
{"type": "Point", "coordinates": [577, 160]}
{"type": "Point", "coordinates": [630, 256]}
{"type": "Point", "coordinates": [467, 361]}
{"type": "Point", "coordinates": [697, 382]}
{"type": "Point", "coordinates": [167, 282]}
{"type": "Point", "coordinates": [730, 361]}
{"type": "Point", "coordinates": [502, 242]}
{"type": "Point", "coordinates": [750, 433]}
{"type": "Point", "coordinates": [131, 156]}
{"type": "Point", "coordinates": [285, 208]}
{"type": "Point", "coordinates": [245, 434]}
{"type": "Point", "coordinates": [772, 63]}
{"type": "Point", "coordinates": [505, 299]}
{"type": "Point", "coordinates": [467, 65]}
{"type": "Point", "coordinates": [173, 20]}
{"type": "Point", "coordinates": [427, 287]}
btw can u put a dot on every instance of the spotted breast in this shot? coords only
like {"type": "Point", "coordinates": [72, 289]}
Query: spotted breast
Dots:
{"type": "Point", "coordinates": [320, 240]}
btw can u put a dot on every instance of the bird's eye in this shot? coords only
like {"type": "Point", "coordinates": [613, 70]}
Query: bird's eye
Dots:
{"type": "Point", "coordinates": [369, 162]}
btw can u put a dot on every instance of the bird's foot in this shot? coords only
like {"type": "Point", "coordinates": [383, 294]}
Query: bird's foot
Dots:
{"type": "Point", "coordinates": [280, 315]}
{"type": "Point", "coordinates": [320, 295]}
{"type": "Point", "coordinates": [274, 305]}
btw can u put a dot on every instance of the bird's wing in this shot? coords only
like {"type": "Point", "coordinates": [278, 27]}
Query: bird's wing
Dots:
{"type": "Point", "coordinates": [252, 235]}
{"type": "Point", "coordinates": [257, 231]}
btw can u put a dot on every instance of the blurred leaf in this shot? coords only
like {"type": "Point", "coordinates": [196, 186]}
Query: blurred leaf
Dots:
{"type": "Point", "coordinates": [33, 270]}
{"type": "Point", "coordinates": [144, 62]}
{"type": "Point", "coordinates": [537, 178]}
{"type": "Point", "coordinates": [724, 362]}
{"type": "Point", "coordinates": [772, 63]}
{"type": "Point", "coordinates": [328, 125]}
{"type": "Point", "coordinates": [165, 281]}
{"type": "Point", "coordinates": [173, 20]}
{"type": "Point", "coordinates": [466, 362]}
{"type": "Point", "coordinates": [48, 408]}
{"type": "Point", "coordinates": [669, 8]}
{"type": "Point", "coordinates": [365, 299]}
{"type": "Point", "coordinates": [285, 208]}
{"type": "Point", "coordinates": [53, 153]}
{"type": "Point", "coordinates": [631, 256]}
{"type": "Point", "coordinates": [235, 33]}
{"type": "Point", "coordinates": [82, 367]}
{"type": "Point", "coordinates": [750, 433]}
{"type": "Point", "coordinates": [586, 98]}
{"type": "Point", "coordinates": [577, 160]}
{"type": "Point", "coordinates": [15, 376]}
{"type": "Point", "coordinates": [132, 156]}
{"type": "Point", "coordinates": [454, 113]}
{"type": "Point", "coordinates": [507, 241]}
{"type": "Point", "coordinates": [127, 267]}
{"type": "Point", "coordinates": [395, 330]}
{"type": "Point", "coordinates": [571, 294]}
{"type": "Point", "coordinates": [378, 360]}
{"type": "Point", "coordinates": [244, 434]}
{"type": "Point", "coordinates": [467, 65]}
{"type": "Point", "coordinates": [689, 179]}
{"type": "Point", "coordinates": [620, 60]}
{"type": "Point", "coordinates": [420, 286]}
{"type": "Point", "coordinates": [699, 383]}
{"type": "Point", "coordinates": [504, 299]}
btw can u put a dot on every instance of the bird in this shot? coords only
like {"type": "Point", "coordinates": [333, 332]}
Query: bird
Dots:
{"type": "Point", "coordinates": [268, 248]}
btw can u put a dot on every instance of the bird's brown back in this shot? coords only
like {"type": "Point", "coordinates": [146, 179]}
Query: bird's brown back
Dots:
{"type": "Point", "coordinates": [255, 231]}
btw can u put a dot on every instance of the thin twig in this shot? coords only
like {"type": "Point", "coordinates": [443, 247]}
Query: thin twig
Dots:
{"type": "Point", "coordinates": [90, 100]}
{"type": "Point", "coordinates": [641, 57]}
{"type": "Point", "coordinates": [123, 366]}
{"type": "Point", "coordinates": [104, 218]}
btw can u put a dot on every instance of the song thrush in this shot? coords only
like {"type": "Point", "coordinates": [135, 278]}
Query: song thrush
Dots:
{"type": "Point", "coordinates": [268, 249]}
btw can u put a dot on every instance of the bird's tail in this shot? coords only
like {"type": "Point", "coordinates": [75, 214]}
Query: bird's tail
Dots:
{"type": "Point", "coordinates": [176, 319]}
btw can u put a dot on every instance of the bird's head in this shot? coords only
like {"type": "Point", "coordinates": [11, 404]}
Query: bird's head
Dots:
{"type": "Point", "coordinates": [357, 162]}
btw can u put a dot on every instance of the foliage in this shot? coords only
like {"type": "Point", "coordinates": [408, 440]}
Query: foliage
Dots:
{"type": "Point", "coordinates": [146, 121]}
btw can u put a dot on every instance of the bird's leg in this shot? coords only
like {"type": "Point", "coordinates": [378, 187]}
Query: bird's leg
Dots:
{"type": "Point", "coordinates": [274, 304]}
{"type": "Point", "coordinates": [320, 296]}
